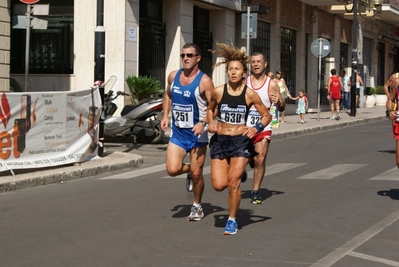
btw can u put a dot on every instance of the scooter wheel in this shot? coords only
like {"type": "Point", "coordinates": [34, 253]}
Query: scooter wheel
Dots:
{"type": "Point", "coordinates": [159, 135]}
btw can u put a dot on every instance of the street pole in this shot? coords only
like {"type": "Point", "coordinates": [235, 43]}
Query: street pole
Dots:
{"type": "Point", "coordinates": [354, 60]}
{"type": "Point", "coordinates": [319, 82]}
{"type": "Point", "coordinates": [27, 45]}
{"type": "Point", "coordinates": [248, 28]}
{"type": "Point", "coordinates": [99, 68]}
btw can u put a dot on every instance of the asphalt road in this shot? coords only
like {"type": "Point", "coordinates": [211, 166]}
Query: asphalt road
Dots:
{"type": "Point", "coordinates": [331, 199]}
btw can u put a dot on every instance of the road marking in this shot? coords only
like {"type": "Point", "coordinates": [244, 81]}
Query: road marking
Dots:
{"type": "Point", "coordinates": [332, 172]}
{"type": "Point", "coordinates": [207, 170]}
{"type": "Point", "coordinates": [390, 175]}
{"type": "Point", "coordinates": [270, 170]}
{"type": "Point", "coordinates": [280, 167]}
{"type": "Point", "coordinates": [351, 245]}
{"type": "Point", "coordinates": [135, 173]}
{"type": "Point", "coordinates": [375, 259]}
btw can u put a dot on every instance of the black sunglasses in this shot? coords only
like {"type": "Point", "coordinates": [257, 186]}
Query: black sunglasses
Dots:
{"type": "Point", "coordinates": [189, 55]}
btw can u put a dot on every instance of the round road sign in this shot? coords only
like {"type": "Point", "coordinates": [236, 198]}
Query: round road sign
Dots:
{"type": "Point", "coordinates": [320, 47]}
{"type": "Point", "coordinates": [29, 2]}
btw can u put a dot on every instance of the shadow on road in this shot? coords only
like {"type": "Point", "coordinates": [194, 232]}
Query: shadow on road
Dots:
{"type": "Point", "coordinates": [244, 218]}
{"type": "Point", "coordinates": [184, 210]}
{"type": "Point", "coordinates": [264, 193]}
{"type": "Point", "coordinates": [393, 193]}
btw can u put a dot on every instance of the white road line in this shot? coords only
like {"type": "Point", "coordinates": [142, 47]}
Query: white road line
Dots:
{"type": "Point", "coordinates": [135, 173]}
{"type": "Point", "coordinates": [332, 172]}
{"type": "Point", "coordinates": [207, 170]}
{"type": "Point", "coordinates": [280, 167]}
{"type": "Point", "coordinates": [351, 245]}
{"type": "Point", "coordinates": [375, 259]}
{"type": "Point", "coordinates": [389, 175]}
{"type": "Point", "coordinates": [272, 169]}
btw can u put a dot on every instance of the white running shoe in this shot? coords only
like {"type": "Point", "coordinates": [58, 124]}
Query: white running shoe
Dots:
{"type": "Point", "coordinates": [196, 214]}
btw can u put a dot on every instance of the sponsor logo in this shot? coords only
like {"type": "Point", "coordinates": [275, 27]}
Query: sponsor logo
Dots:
{"type": "Point", "coordinates": [253, 113]}
{"type": "Point", "coordinates": [4, 110]}
{"type": "Point", "coordinates": [182, 108]}
{"type": "Point", "coordinates": [177, 90]}
{"type": "Point", "coordinates": [238, 109]}
{"type": "Point", "coordinates": [187, 93]}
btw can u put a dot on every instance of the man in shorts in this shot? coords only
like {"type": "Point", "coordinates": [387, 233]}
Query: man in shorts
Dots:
{"type": "Point", "coordinates": [269, 92]}
{"type": "Point", "coordinates": [186, 97]}
{"type": "Point", "coordinates": [335, 88]}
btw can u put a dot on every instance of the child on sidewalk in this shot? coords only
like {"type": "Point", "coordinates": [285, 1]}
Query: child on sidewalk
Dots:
{"type": "Point", "coordinates": [302, 104]}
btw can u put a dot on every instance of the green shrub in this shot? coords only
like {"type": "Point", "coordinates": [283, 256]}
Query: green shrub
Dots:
{"type": "Point", "coordinates": [370, 91]}
{"type": "Point", "coordinates": [380, 90]}
{"type": "Point", "coordinates": [141, 87]}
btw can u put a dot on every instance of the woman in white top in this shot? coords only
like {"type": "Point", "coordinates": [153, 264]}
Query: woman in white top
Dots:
{"type": "Point", "coordinates": [283, 89]}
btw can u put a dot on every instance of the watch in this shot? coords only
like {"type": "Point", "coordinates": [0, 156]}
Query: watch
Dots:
{"type": "Point", "coordinates": [203, 123]}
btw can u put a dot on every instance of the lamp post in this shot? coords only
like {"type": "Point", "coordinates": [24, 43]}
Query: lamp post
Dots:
{"type": "Point", "coordinates": [354, 60]}
{"type": "Point", "coordinates": [99, 67]}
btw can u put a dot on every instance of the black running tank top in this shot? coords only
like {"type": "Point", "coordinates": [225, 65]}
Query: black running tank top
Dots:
{"type": "Point", "coordinates": [233, 109]}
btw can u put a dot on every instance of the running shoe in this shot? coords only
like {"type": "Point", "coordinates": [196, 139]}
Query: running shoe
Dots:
{"type": "Point", "coordinates": [231, 228]}
{"type": "Point", "coordinates": [244, 176]}
{"type": "Point", "coordinates": [332, 117]}
{"type": "Point", "coordinates": [189, 182]}
{"type": "Point", "coordinates": [196, 214]}
{"type": "Point", "coordinates": [255, 198]}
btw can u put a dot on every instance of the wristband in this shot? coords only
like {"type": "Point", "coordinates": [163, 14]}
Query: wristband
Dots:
{"type": "Point", "coordinates": [388, 111]}
{"type": "Point", "coordinates": [259, 127]}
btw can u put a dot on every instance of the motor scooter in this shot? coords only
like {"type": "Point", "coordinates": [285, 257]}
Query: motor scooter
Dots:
{"type": "Point", "coordinates": [141, 121]}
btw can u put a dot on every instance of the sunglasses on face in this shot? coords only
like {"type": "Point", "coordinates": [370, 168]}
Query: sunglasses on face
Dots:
{"type": "Point", "coordinates": [189, 55]}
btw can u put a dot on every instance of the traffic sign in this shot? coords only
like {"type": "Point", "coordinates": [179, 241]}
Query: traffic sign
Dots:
{"type": "Point", "coordinates": [29, 2]}
{"type": "Point", "coordinates": [320, 47]}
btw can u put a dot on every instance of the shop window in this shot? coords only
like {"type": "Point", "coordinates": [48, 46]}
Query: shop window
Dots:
{"type": "Point", "coordinates": [51, 49]}
{"type": "Point", "coordinates": [262, 42]}
{"type": "Point", "coordinates": [288, 58]}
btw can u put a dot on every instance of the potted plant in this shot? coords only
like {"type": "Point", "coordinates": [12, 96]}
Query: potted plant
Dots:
{"type": "Point", "coordinates": [370, 99]}
{"type": "Point", "coordinates": [141, 87]}
{"type": "Point", "coordinates": [381, 97]}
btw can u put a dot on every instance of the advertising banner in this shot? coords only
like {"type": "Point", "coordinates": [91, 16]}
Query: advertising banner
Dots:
{"type": "Point", "coordinates": [43, 129]}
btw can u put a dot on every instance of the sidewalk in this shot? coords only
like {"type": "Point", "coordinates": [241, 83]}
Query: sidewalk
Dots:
{"type": "Point", "coordinates": [114, 160]}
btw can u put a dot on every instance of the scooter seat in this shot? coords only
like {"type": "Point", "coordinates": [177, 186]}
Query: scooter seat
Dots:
{"type": "Point", "coordinates": [126, 109]}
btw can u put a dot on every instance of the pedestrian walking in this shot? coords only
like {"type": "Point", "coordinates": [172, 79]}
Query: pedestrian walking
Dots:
{"type": "Point", "coordinates": [284, 92]}
{"type": "Point", "coordinates": [231, 145]}
{"type": "Point", "coordinates": [186, 97]}
{"type": "Point", "coordinates": [335, 88]}
{"type": "Point", "coordinates": [344, 104]}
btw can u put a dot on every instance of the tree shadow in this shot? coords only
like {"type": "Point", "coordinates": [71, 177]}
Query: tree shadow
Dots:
{"type": "Point", "coordinates": [263, 192]}
{"type": "Point", "coordinates": [183, 211]}
{"type": "Point", "coordinates": [244, 217]}
{"type": "Point", "coordinates": [393, 193]}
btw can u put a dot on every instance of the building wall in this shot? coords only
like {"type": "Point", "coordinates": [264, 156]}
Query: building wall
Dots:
{"type": "Point", "coordinates": [4, 45]}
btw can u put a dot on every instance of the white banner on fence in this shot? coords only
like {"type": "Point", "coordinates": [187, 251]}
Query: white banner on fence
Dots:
{"type": "Point", "coordinates": [42, 129]}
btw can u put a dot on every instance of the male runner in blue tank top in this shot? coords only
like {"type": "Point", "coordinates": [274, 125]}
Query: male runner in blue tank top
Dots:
{"type": "Point", "coordinates": [186, 97]}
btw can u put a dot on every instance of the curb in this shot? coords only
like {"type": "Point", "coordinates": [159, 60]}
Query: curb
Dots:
{"type": "Point", "coordinates": [57, 174]}
{"type": "Point", "coordinates": [325, 127]}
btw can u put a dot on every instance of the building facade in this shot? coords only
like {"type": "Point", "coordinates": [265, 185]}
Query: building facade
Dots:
{"type": "Point", "coordinates": [144, 37]}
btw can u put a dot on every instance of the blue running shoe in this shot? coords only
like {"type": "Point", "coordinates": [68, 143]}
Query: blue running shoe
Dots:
{"type": "Point", "coordinates": [231, 228]}
{"type": "Point", "coordinates": [244, 176]}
